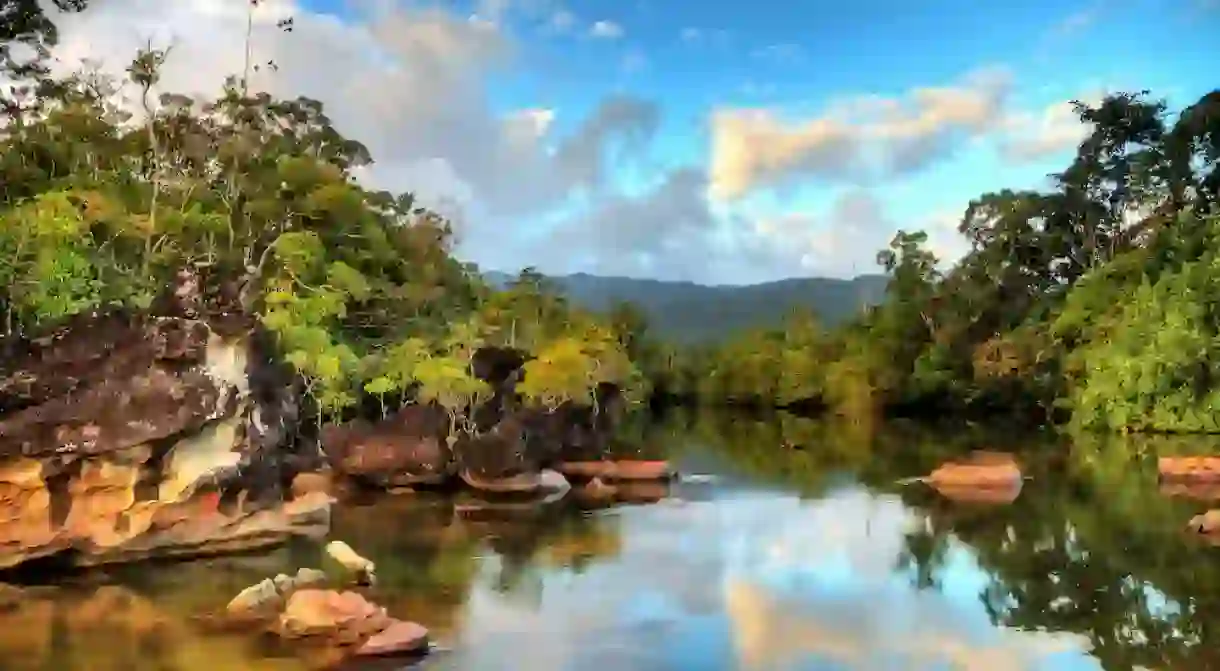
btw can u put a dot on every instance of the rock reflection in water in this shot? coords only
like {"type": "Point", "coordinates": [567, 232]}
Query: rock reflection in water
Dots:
{"type": "Point", "coordinates": [111, 628]}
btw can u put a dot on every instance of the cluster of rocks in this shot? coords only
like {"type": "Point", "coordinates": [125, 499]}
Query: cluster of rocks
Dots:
{"type": "Point", "coordinates": [316, 613]}
{"type": "Point", "coordinates": [514, 450]}
{"type": "Point", "coordinates": [996, 478]}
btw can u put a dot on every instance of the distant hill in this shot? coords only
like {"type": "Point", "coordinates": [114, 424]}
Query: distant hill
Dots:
{"type": "Point", "coordinates": [688, 312]}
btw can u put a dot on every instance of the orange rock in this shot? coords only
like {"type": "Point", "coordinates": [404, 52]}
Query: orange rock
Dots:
{"type": "Point", "coordinates": [1207, 523]}
{"type": "Point", "coordinates": [306, 483]}
{"type": "Point", "coordinates": [400, 638]}
{"type": "Point", "coordinates": [642, 470]}
{"type": "Point", "coordinates": [626, 469]}
{"type": "Point", "coordinates": [975, 475]}
{"type": "Point", "coordinates": [1195, 469]}
{"type": "Point", "coordinates": [339, 617]}
{"type": "Point", "coordinates": [521, 483]}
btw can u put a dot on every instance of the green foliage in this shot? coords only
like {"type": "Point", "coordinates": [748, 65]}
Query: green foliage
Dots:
{"type": "Point", "coordinates": [99, 210]}
{"type": "Point", "coordinates": [1064, 303]}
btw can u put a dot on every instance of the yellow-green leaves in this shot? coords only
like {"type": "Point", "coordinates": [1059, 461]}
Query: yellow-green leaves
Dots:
{"type": "Point", "coordinates": [448, 382]}
{"type": "Point", "coordinates": [300, 252]}
{"type": "Point", "coordinates": [562, 372]}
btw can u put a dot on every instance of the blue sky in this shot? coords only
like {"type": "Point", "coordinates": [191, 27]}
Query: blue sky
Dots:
{"type": "Point", "coordinates": [718, 141]}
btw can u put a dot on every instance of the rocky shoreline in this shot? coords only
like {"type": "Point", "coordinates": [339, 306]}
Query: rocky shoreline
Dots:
{"type": "Point", "coordinates": [177, 433]}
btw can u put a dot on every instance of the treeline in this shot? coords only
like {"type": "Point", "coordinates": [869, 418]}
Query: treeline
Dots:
{"type": "Point", "coordinates": [1096, 301]}
{"type": "Point", "coordinates": [109, 188]}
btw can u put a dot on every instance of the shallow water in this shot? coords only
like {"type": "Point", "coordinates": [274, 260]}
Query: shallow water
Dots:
{"type": "Point", "coordinates": [808, 557]}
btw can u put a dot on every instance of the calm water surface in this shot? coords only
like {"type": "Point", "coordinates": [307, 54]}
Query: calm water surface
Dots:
{"type": "Point", "coordinates": [810, 557]}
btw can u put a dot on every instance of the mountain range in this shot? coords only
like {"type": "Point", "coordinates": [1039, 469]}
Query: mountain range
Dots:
{"type": "Point", "coordinates": [688, 312]}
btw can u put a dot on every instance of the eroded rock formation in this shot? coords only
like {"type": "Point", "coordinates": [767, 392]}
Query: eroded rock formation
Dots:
{"type": "Point", "coordinates": [127, 436]}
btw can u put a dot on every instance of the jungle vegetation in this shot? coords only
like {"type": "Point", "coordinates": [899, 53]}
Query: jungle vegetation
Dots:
{"type": "Point", "coordinates": [109, 187]}
{"type": "Point", "coordinates": [1093, 301]}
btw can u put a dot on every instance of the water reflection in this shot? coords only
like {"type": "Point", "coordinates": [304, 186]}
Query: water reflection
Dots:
{"type": "Point", "coordinates": [804, 552]}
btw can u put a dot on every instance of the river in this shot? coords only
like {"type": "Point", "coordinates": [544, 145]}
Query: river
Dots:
{"type": "Point", "coordinates": [799, 550]}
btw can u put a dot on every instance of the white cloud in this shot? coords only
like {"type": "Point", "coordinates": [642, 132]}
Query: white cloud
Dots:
{"type": "Point", "coordinates": [691, 34]}
{"type": "Point", "coordinates": [408, 83]}
{"type": "Point", "coordinates": [606, 30]}
{"type": "Point", "coordinates": [1053, 130]}
{"type": "Point", "coordinates": [869, 138]}
{"type": "Point", "coordinates": [412, 85]}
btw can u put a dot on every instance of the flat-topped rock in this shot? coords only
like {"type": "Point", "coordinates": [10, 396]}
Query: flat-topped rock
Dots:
{"type": "Point", "coordinates": [621, 469]}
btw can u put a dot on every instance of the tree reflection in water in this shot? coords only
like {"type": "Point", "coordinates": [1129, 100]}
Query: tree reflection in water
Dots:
{"type": "Point", "coordinates": [1091, 546]}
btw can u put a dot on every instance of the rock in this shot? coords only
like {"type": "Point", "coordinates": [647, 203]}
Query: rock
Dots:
{"type": "Point", "coordinates": [350, 564]}
{"type": "Point", "coordinates": [554, 484]}
{"type": "Point", "coordinates": [406, 449]}
{"type": "Point", "coordinates": [553, 480]}
{"type": "Point", "coordinates": [981, 470]}
{"type": "Point", "coordinates": [598, 489]}
{"type": "Point", "coordinates": [259, 597]}
{"type": "Point", "coordinates": [521, 483]}
{"type": "Point", "coordinates": [308, 483]}
{"type": "Point", "coordinates": [308, 577]}
{"type": "Point", "coordinates": [268, 597]}
{"type": "Point", "coordinates": [341, 618]}
{"type": "Point", "coordinates": [1207, 523]}
{"type": "Point", "coordinates": [106, 523]}
{"type": "Point", "coordinates": [399, 638]}
{"type": "Point", "coordinates": [121, 435]}
{"type": "Point", "coordinates": [617, 470]}
{"type": "Point", "coordinates": [1189, 469]}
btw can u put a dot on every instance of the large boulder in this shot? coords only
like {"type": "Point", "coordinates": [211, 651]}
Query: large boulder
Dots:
{"type": "Point", "coordinates": [407, 449]}
{"type": "Point", "coordinates": [125, 436]}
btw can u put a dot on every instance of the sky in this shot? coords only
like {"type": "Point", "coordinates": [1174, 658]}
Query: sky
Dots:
{"type": "Point", "coordinates": [717, 141]}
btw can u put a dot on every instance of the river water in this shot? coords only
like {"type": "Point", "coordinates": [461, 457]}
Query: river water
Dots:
{"type": "Point", "coordinates": [799, 550]}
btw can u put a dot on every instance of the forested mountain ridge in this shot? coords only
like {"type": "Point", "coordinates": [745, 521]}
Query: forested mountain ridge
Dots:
{"type": "Point", "coordinates": [688, 312]}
